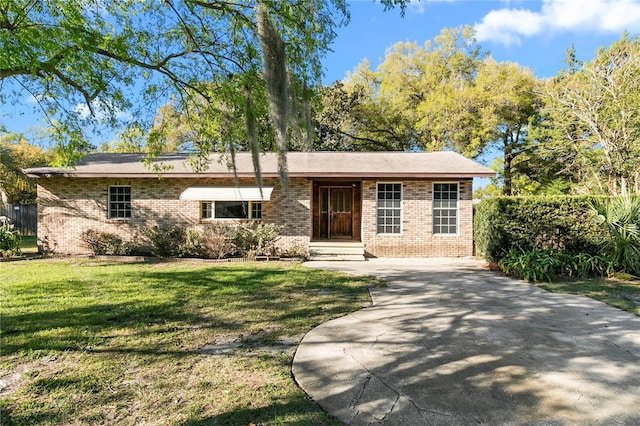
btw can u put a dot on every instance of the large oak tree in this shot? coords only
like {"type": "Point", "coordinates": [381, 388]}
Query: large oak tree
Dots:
{"type": "Point", "coordinates": [446, 94]}
{"type": "Point", "coordinates": [92, 62]}
{"type": "Point", "coordinates": [592, 120]}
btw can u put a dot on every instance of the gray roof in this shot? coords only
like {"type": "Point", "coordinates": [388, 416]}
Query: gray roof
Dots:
{"type": "Point", "coordinates": [300, 164]}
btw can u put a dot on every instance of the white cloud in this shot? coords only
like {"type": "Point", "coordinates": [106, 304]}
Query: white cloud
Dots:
{"type": "Point", "coordinates": [32, 100]}
{"type": "Point", "coordinates": [416, 6]}
{"type": "Point", "coordinates": [509, 25]}
{"type": "Point", "coordinates": [98, 106]}
{"type": "Point", "coordinates": [83, 110]}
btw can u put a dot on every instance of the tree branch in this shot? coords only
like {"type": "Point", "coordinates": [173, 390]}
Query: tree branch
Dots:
{"type": "Point", "coordinates": [65, 79]}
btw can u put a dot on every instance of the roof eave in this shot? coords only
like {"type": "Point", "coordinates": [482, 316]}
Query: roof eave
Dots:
{"type": "Point", "coordinates": [408, 175]}
{"type": "Point", "coordinates": [83, 175]}
{"type": "Point", "coordinates": [419, 175]}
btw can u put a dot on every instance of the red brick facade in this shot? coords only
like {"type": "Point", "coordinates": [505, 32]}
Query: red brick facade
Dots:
{"type": "Point", "coordinates": [69, 206]}
{"type": "Point", "coordinates": [416, 238]}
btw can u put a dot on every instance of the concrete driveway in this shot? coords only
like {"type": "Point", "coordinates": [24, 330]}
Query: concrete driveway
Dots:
{"type": "Point", "coordinates": [449, 343]}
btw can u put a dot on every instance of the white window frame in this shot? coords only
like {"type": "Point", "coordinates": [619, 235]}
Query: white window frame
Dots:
{"type": "Point", "coordinates": [109, 204]}
{"type": "Point", "coordinates": [434, 208]}
{"type": "Point", "coordinates": [212, 209]}
{"type": "Point", "coordinates": [401, 208]}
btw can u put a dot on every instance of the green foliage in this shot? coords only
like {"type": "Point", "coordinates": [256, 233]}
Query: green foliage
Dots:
{"type": "Point", "coordinates": [620, 216]}
{"type": "Point", "coordinates": [508, 97]}
{"type": "Point", "coordinates": [166, 242]}
{"type": "Point", "coordinates": [347, 117]}
{"type": "Point", "coordinates": [538, 238]}
{"type": "Point", "coordinates": [17, 154]}
{"type": "Point", "coordinates": [94, 64]}
{"type": "Point", "coordinates": [9, 238]}
{"type": "Point", "coordinates": [532, 265]}
{"type": "Point", "coordinates": [215, 241]}
{"type": "Point", "coordinates": [151, 324]}
{"type": "Point", "coordinates": [420, 96]}
{"type": "Point", "coordinates": [546, 265]}
{"type": "Point", "coordinates": [257, 239]}
{"type": "Point", "coordinates": [592, 120]}
{"type": "Point", "coordinates": [447, 94]}
{"type": "Point", "coordinates": [218, 241]}
{"type": "Point", "coordinates": [106, 243]}
{"type": "Point", "coordinates": [192, 245]}
{"type": "Point", "coordinates": [583, 265]}
{"type": "Point", "coordinates": [490, 242]}
{"type": "Point", "coordinates": [563, 224]}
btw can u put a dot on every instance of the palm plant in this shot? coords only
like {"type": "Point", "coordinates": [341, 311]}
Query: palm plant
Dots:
{"type": "Point", "coordinates": [621, 217]}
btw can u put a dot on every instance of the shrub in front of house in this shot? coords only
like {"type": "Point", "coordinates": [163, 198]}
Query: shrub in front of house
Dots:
{"type": "Point", "coordinates": [531, 265]}
{"type": "Point", "coordinates": [192, 244]}
{"type": "Point", "coordinates": [9, 238]}
{"type": "Point", "coordinates": [166, 242]}
{"type": "Point", "coordinates": [218, 241]}
{"type": "Point", "coordinates": [295, 250]}
{"type": "Point", "coordinates": [105, 243]}
{"type": "Point", "coordinates": [545, 265]}
{"type": "Point", "coordinates": [538, 238]}
{"type": "Point", "coordinates": [214, 241]}
{"type": "Point", "coordinates": [564, 225]}
{"type": "Point", "coordinates": [257, 239]}
{"type": "Point", "coordinates": [620, 217]}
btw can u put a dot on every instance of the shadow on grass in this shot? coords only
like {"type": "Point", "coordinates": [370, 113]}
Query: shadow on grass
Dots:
{"type": "Point", "coordinates": [81, 327]}
{"type": "Point", "coordinates": [298, 412]}
{"type": "Point", "coordinates": [153, 310]}
{"type": "Point", "coordinates": [164, 301]}
{"type": "Point", "coordinates": [623, 294]}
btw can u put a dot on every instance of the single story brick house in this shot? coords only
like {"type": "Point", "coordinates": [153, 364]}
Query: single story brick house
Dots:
{"type": "Point", "coordinates": [382, 204]}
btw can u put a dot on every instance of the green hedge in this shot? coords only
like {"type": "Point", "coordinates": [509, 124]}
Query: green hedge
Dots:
{"type": "Point", "coordinates": [564, 225]}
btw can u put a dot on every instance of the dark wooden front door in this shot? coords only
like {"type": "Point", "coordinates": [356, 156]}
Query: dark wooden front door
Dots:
{"type": "Point", "coordinates": [340, 214]}
{"type": "Point", "coordinates": [336, 212]}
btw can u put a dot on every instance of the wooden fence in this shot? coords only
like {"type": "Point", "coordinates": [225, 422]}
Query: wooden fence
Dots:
{"type": "Point", "coordinates": [24, 217]}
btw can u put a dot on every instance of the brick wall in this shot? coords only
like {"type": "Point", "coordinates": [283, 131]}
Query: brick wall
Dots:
{"type": "Point", "coordinates": [417, 238]}
{"type": "Point", "coordinates": [67, 207]}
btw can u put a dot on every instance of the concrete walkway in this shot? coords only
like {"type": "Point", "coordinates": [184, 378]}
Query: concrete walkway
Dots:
{"type": "Point", "coordinates": [448, 343]}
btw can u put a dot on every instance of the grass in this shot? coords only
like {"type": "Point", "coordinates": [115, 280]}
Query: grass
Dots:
{"type": "Point", "coordinates": [623, 292]}
{"type": "Point", "coordinates": [28, 244]}
{"type": "Point", "coordinates": [86, 342]}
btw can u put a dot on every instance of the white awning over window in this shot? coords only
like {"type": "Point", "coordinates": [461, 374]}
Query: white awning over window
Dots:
{"type": "Point", "coordinates": [227, 193]}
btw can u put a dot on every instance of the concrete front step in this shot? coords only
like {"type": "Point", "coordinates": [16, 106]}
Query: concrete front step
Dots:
{"type": "Point", "coordinates": [332, 250]}
{"type": "Point", "coordinates": [345, 257]}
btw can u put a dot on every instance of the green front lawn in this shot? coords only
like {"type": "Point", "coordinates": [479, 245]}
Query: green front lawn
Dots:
{"type": "Point", "coordinates": [28, 244]}
{"type": "Point", "coordinates": [623, 293]}
{"type": "Point", "coordinates": [86, 342]}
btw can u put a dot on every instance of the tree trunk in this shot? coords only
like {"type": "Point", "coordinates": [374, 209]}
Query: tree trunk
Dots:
{"type": "Point", "coordinates": [508, 159]}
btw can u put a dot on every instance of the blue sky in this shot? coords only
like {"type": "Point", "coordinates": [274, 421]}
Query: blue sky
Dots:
{"type": "Point", "coordinates": [532, 33]}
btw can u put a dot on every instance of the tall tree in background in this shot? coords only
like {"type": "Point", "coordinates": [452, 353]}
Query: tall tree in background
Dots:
{"type": "Point", "coordinates": [558, 171]}
{"type": "Point", "coordinates": [417, 98]}
{"type": "Point", "coordinates": [17, 154]}
{"type": "Point", "coordinates": [348, 117]}
{"type": "Point", "coordinates": [447, 94]}
{"type": "Point", "coordinates": [86, 62]}
{"type": "Point", "coordinates": [430, 86]}
{"type": "Point", "coordinates": [596, 120]}
{"type": "Point", "coordinates": [508, 98]}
